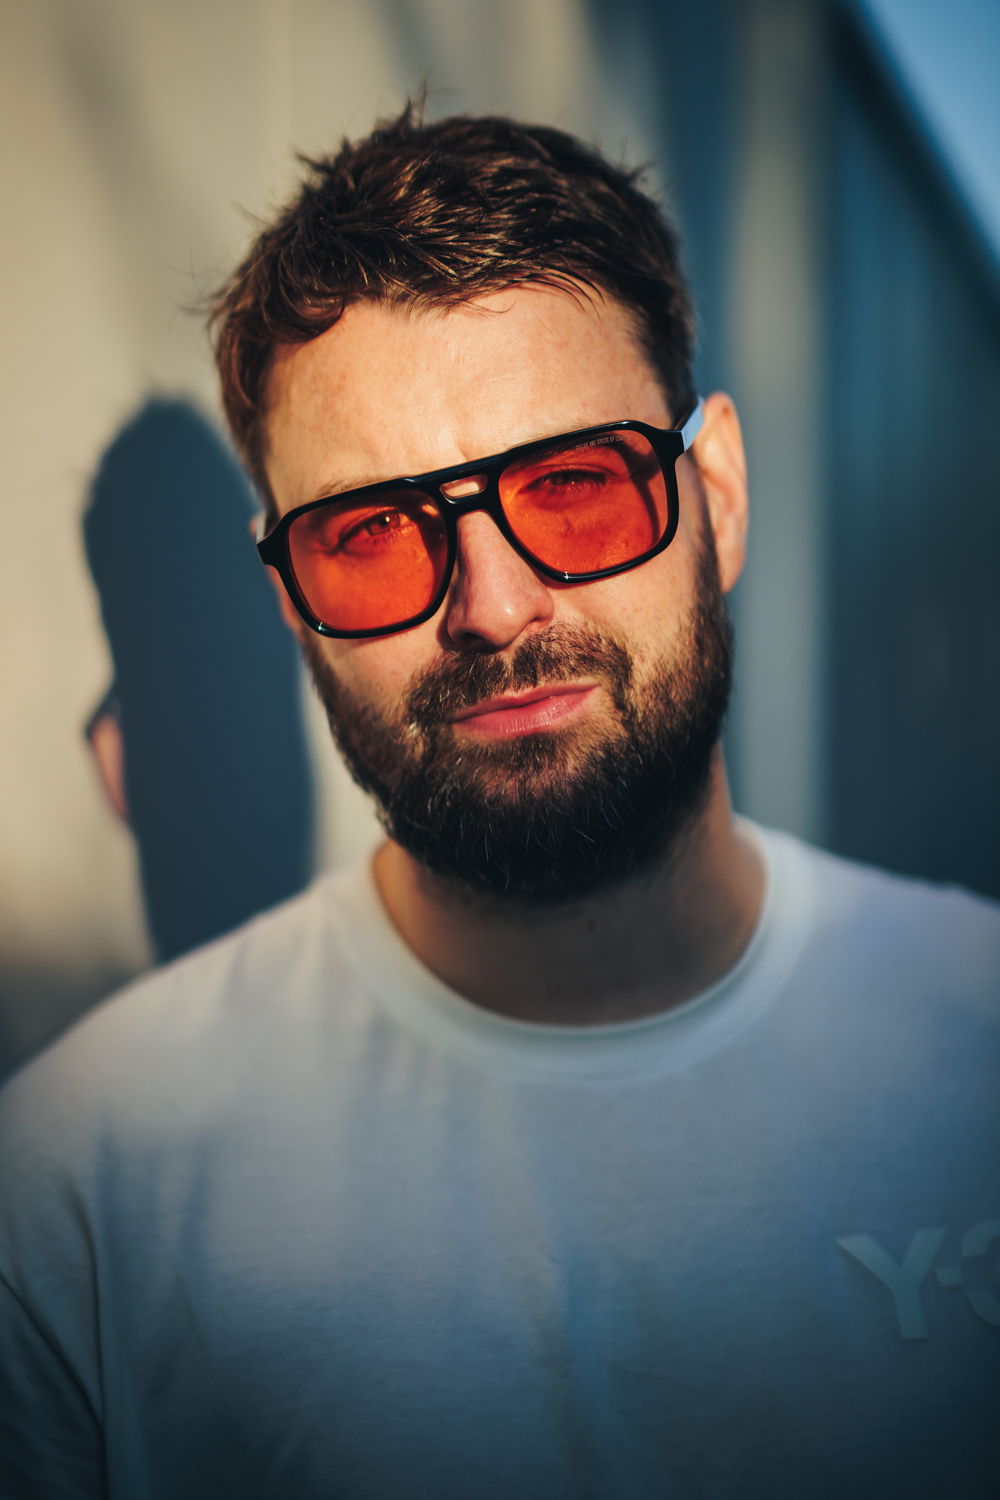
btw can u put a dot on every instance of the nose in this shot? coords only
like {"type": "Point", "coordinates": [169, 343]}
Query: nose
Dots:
{"type": "Point", "coordinates": [495, 595]}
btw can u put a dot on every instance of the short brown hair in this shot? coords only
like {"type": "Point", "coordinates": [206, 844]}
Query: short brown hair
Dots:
{"type": "Point", "coordinates": [434, 215]}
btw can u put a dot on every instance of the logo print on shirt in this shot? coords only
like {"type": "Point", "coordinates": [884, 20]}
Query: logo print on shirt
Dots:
{"type": "Point", "coordinates": [904, 1279]}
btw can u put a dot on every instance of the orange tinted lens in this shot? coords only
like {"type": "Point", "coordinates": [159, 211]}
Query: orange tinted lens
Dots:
{"type": "Point", "coordinates": [581, 507]}
{"type": "Point", "coordinates": [372, 565]}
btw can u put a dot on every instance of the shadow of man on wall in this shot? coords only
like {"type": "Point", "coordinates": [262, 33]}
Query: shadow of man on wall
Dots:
{"type": "Point", "coordinates": [200, 741]}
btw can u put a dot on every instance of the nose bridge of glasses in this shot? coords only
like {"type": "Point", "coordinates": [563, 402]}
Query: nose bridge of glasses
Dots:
{"type": "Point", "coordinates": [465, 488]}
{"type": "Point", "coordinates": [469, 492]}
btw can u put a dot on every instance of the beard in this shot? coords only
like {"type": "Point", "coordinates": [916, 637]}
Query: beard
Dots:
{"type": "Point", "coordinates": [548, 818]}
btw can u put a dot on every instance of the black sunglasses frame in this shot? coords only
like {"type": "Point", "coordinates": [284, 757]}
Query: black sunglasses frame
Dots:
{"type": "Point", "coordinates": [668, 444]}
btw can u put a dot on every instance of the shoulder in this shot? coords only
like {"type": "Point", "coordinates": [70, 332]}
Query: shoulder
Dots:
{"type": "Point", "coordinates": [890, 930]}
{"type": "Point", "coordinates": [189, 1032]}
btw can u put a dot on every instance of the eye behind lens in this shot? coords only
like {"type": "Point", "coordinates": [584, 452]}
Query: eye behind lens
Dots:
{"type": "Point", "coordinates": [587, 507]}
{"type": "Point", "coordinates": [369, 564]}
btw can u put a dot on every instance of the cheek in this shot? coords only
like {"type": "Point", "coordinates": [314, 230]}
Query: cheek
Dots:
{"type": "Point", "coordinates": [648, 608]}
{"type": "Point", "coordinates": [381, 671]}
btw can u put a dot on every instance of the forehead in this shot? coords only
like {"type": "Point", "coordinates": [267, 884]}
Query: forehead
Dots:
{"type": "Point", "coordinates": [389, 391]}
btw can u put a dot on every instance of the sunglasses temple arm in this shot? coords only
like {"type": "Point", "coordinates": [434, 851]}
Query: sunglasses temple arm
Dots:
{"type": "Point", "coordinates": [693, 425]}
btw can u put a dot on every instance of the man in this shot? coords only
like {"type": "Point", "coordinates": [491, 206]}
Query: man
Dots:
{"type": "Point", "coordinates": [591, 1142]}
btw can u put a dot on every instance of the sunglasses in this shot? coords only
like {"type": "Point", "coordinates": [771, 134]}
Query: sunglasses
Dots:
{"type": "Point", "coordinates": [582, 506]}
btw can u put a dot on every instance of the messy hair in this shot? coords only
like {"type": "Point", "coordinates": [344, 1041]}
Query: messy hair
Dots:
{"type": "Point", "coordinates": [432, 216]}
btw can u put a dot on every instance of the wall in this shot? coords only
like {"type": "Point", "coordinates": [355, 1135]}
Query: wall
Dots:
{"type": "Point", "coordinates": [140, 138]}
{"type": "Point", "coordinates": [913, 500]}
{"type": "Point", "coordinates": [138, 141]}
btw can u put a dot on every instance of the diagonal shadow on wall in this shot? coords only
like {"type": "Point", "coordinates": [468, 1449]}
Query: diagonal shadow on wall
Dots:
{"type": "Point", "coordinates": [217, 779]}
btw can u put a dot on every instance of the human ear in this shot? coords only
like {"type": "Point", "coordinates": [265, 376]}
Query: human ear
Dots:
{"type": "Point", "coordinates": [719, 456]}
{"type": "Point", "coordinates": [108, 744]}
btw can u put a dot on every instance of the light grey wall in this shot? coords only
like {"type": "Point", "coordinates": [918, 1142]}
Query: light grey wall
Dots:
{"type": "Point", "coordinates": [137, 142]}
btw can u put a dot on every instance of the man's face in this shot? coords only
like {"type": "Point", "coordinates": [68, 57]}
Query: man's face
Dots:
{"type": "Point", "coordinates": [563, 792]}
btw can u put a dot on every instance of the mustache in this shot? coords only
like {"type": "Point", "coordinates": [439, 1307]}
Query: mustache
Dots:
{"type": "Point", "coordinates": [561, 653]}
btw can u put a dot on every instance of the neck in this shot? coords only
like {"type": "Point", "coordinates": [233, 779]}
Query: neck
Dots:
{"type": "Point", "coordinates": [619, 955]}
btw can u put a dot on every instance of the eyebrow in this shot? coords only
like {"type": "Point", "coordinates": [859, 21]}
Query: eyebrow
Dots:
{"type": "Point", "coordinates": [337, 487]}
{"type": "Point", "coordinates": [346, 486]}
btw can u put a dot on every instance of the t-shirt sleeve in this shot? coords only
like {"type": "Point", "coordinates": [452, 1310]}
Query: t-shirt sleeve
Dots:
{"type": "Point", "coordinates": [50, 1440]}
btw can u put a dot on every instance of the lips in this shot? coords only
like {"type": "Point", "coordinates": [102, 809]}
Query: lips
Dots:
{"type": "Point", "coordinates": [525, 713]}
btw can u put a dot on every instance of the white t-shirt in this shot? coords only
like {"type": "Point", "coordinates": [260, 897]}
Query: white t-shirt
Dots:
{"type": "Point", "coordinates": [291, 1219]}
